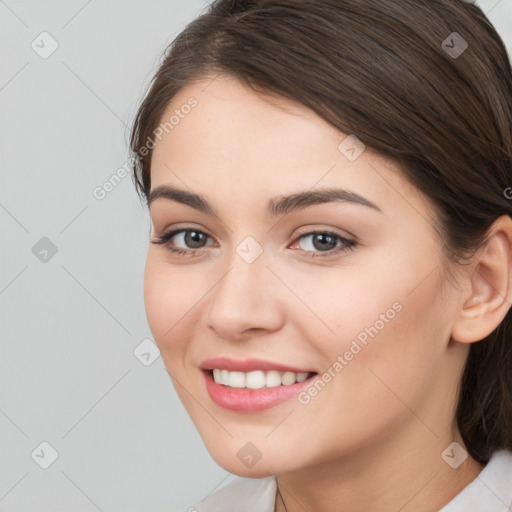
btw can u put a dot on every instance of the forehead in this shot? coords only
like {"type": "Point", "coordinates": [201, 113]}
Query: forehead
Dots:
{"type": "Point", "coordinates": [233, 133]}
{"type": "Point", "coordinates": [235, 143]}
{"type": "Point", "coordinates": [230, 116]}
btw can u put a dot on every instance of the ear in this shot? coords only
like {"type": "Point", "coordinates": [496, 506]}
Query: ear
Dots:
{"type": "Point", "coordinates": [489, 288]}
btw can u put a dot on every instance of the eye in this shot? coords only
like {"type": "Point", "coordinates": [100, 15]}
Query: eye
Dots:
{"type": "Point", "coordinates": [323, 243]}
{"type": "Point", "coordinates": [313, 244]}
{"type": "Point", "coordinates": [193, 239]}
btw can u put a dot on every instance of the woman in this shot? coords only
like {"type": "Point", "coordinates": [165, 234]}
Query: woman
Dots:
{"type": "Point", "coordinates": [329, 277]}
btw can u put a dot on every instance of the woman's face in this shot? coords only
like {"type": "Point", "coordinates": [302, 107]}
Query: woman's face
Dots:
{"type": "Point", "coordinates": [350, 292]}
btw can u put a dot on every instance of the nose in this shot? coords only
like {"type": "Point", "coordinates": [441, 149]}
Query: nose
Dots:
{"type": "Point", "coordinates": [247, 300]}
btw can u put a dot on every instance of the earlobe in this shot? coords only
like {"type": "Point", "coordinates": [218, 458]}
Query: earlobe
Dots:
{"type": "Point", "coordinates": [490, 285]}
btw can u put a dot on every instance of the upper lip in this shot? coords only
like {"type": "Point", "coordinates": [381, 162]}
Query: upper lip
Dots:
{"type": "Point", "coordinates": [248, 365]}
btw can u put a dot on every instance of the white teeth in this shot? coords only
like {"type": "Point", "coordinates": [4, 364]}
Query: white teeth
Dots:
{"type": "Point", "coordinates": [302, 376]}
{"type": "Point", "coordinates": [257, 379]}
{"type": "Point", "coordinates": [236, 380]}
{"type": "Point", "coordinates": [287, 378]}
{"type": "Point", "coordinates": [273, 379]}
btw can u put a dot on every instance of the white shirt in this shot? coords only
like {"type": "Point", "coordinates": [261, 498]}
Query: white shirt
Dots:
{"type": "Point", "coordinates": [490, 491]}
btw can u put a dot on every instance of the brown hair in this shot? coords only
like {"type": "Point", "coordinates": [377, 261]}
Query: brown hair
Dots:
{"type": "Point", "coordinates": [386, 71]}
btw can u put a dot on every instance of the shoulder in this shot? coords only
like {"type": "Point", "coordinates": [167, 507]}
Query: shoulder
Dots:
{"type": "Point", "coordinates": [490, 491]}
{"type": "Point", "coordinates": [248, 494]}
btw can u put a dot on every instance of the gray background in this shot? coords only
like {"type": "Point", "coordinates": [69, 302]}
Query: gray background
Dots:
{"type": "Point", "coordinates": [71, 321]}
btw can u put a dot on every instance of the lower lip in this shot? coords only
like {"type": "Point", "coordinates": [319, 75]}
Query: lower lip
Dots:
{"type": "Point", "coordinates": [251, 400]}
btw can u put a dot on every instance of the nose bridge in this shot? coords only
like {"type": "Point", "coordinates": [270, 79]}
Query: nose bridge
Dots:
{"type": "Point", "coordinates": [246, 268]}
{"type": "Point", "coordinates": [243, 284]}
{"type": "Point", "coordinates": [244, 297]}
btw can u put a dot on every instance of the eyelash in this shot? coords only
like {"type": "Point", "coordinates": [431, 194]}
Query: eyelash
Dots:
{"type": "Point", "coordinates": [165, 238]}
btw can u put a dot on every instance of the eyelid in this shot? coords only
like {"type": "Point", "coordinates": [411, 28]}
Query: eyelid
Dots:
{"type": "Point", "coordinates": [322, 229]}
{"type": "Point", "coordinates": [294, 235]}
{"type": "Point", "coordinates": [347, 243]}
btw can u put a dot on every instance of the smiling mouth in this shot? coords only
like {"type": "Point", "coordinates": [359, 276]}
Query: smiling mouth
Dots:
{"type": "Point", "coordinates": [247, 392]}
{"type": "Point", "coordinates": [257, 379]}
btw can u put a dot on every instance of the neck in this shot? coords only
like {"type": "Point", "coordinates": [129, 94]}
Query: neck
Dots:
{"type": "Point", "coordinates": [411, 479]}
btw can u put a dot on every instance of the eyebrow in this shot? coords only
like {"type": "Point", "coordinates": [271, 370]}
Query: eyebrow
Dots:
{"type": "Point", "coordinates": [279, 205]}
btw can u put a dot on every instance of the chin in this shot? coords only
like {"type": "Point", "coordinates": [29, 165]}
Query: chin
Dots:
{"type": "Point", "coordinates": [246, 461]}
{"type": "Point", "coordinates": [259, 470]}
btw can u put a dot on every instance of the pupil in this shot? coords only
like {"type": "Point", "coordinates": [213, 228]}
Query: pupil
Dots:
{"type": "Point", "coordinates": [193, 237]}
{"type": "Point", "coordinates": [323, 238]}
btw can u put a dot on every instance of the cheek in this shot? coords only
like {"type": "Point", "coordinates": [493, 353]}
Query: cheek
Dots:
{"type": "Point", "coordinates": [387, 317]}
{"type": "Point", "coordinates": [170, 296]}
{"type": "Point", "coordinates": [344, 303]}
{"type": "Point", "coordinates": [398, 351]}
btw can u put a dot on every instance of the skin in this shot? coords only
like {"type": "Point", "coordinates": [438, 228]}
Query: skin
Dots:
{"type": "Point", "coordinates": [372, 439]}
